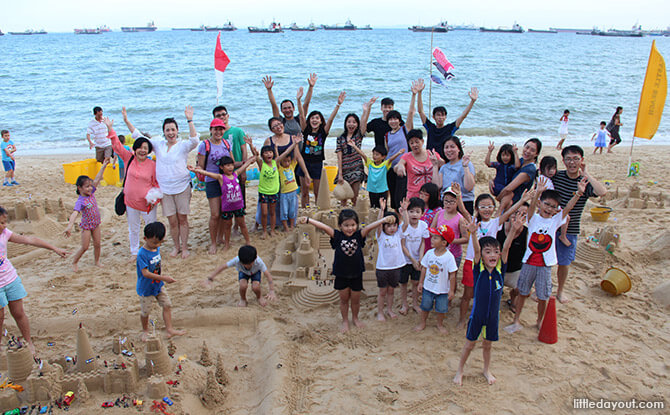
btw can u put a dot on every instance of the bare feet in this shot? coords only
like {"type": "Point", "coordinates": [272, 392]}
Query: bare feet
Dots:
{"type": "Point", "coordinates": [75, 267]}
{"type": "Point", "coordinates": [31, 347]}
{"type": "Point", "coordinates": [262, 302]}
{"type": "Point", "coordinates": [357, 323]}
{"type": "Point", "coordinates": [564, 239]}
{"type": "Point", "coordinates": [264, 236]}
{"type": "Point", "coordinates": [563, 299]}
{"type": "Point", "coordinates": [175, 332]}
{"type": "Point", "coordinates": [391, 314]}
{"type": "Point", "coordinates": [458, 379]}
{"type": "Point", "coordinates": [242, 303]}
{"type": "Point", "coordinates": [442, 329]}
{"type": "Point", "coordinates": [185, 254]}
{"type": "Point", "coordinates": [212, 249]}
{"type": "Point", "coordinates": [174, 253]}
{"type": "Point", "coordinates": [417, 309]}
{"type": "Point", "coordinates": [144, 336]}
{"type": "Point", "coordinates": [420, 327]}
{"type": "Point", "coordinates": [489, 377]}
{"type": "Point", "coordinates": [513, 328]}
{"type": "Point", "coordinates": [403, 310]}
{"type": "Point", "coordinates": [380, 317]}
{"type": "Point", "coordinates": [460, 325]}
{"type": "Point", "coordinates": [344, 327]}
{"type": "Point", "coordinates": [226, 247]}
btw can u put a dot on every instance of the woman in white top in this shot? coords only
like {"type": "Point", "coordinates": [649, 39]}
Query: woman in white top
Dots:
{"type": "Point", "coordinates": [173, 177]}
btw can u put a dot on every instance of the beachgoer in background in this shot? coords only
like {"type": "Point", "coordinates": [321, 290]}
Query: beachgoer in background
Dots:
{"type": "Point", "coordinates": [348, 265]}
{"type": "Point", "coordinates": [563, 129]}
{"type": "Point", "coordinates": [457, 169]}
{"type": "Point", "coordinates": [415, 166]}
{"type": "Point", "coordinates": [380, 126]}
{"type": "Point", "coordinates": [96, 134]}
{"type": "Point", "coordinates": [613, 128]}
{"type": "Point", "coordinates": [287, 115]}
{"type": "Point", "coordinates": [87, 206]}
{"type": "Point", "coordinates": [524, 178]}
{"type": "Point", "coordinates": [600, 137]}
{"type": "Point", "coordinates": [8, 161]}
{"type": "Point", "coordinates": [506, 164]}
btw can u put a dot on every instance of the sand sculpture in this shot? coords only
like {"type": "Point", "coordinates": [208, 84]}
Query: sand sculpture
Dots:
{"type": "Point", "coordinates": [592, 254]}
{"type": "Point", "coordinates": [205, 360]}
{"type": "Point", "coordinates": [304, 258]}
{"type": "Point", "coordinates": [221, 375]}
{"type": "Point", "coordinates": [635, 198]}
{"type": "Point", "coordinates": [34, 210]}
{"type": "Point", "coordinates": [213, 395]}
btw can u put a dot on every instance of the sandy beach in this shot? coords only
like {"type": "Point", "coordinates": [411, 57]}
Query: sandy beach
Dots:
{"type": "Point", "coordinates": [288, 359]}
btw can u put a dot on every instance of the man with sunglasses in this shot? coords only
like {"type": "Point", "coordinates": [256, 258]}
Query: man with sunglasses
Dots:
{"type": "Point", "coordinates": [235, 137]}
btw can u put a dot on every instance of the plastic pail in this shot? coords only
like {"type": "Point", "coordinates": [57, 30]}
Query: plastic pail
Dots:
{"type": "Point", "coordinates": [616, 281]}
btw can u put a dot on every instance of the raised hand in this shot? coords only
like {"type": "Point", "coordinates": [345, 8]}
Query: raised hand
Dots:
{"type": "Point", "coordinates": [518, 222]}
{"type": "Point", "coordinates": [188, 112]}
{"type": "Point", "coordinates": [124, 113]}
{"type": "Point", "coordinates": [474, 93]}
{"type": "Point", "coordinates": [472, 226]}
{"type": "Point", "coordinates": [350, 142]}
{"type": "Point", "coordinates": [340, 99]}
{"type": "Point", "coordinates": [541, 184]}
{"type": "Point", "coordinates": [312, 79]}
{"type": "Point", "coordinates": [581, 186]}
{"type": "Point", "coordinates": [527, 195]}
{"type": "Point", "coordinates": [368, 105]}
{"type": "Point", "coordinates": [420, 85]}
{"type": "Point", "coordinates": [433, 157]}
{"type": "Point", "coordinates": [404, 204]}
{"type": "Point", "coordinates": [492, 146]}
{"type": "Point", "coordinates": [456, 188]}
{"type": "Point", "coordinates": [514, 148]}
{"type": "Point", "coordinates": [297, 139]}
{"type": "Point", "coordinates": [108, 122]}
{"type": "Point", "coordinates": [298, 95]}
{"type": "Point", "coordinates": [247, 140]}
{"type": "Point", "coordinates": [465, 160]}
{"type": "Point", "coordinates": [268, 82]}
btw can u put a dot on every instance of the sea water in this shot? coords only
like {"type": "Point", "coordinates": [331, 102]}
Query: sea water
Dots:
{"type": "Point", "coordinates": [49, 84]}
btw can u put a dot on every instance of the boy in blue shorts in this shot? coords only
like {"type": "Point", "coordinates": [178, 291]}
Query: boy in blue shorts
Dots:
{"type": "Point", "coordinates": [8, 161]}
{"type": "Point", "coordinates": [489, 273]}
{"type": "Point", "coordinates": [249, 266]}
{"type": "Point", "coordinates": [150, 280]}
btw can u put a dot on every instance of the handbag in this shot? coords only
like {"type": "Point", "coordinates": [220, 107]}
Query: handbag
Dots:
{"type": "Point", "coordinates": [120, 203]}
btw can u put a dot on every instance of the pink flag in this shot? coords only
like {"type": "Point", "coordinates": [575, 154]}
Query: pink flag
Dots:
{"type": "Point", "coordinates": [221, 61]}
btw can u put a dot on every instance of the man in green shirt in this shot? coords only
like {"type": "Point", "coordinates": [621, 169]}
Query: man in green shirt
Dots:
{"type": "Point", "coordinates": [235, 137]}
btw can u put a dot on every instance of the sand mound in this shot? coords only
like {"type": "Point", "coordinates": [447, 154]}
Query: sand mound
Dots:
{"type": "Point", "coordinates": [662, 294]}
{"type": "Point", "coordinates": [658, 248]}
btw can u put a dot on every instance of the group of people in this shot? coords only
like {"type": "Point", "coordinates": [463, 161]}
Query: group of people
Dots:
{"type": "Point", "coordinates": [608, 130]}
{"type": "Point", "coordinates": [423, 188]}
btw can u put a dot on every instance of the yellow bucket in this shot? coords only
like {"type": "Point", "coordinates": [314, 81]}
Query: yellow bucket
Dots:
{"type": "Point", "coordinates": [616, 281]}
{"type": "Point", "coordinates": [110, 176]}
{"type": "Point", "coordinates": [71, 171]}
{"type": "Point", "coordinates": [89, 167]}
{"type": "Point", "coordinates": [331, 174]}
{"type": "Point", "coordinates": [600, 213]}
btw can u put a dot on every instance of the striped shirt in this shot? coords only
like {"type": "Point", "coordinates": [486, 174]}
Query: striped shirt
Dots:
{"type": "Point", "coordinates": [98, 132]}
{"type": "Point", "coordinates": [567, 187]}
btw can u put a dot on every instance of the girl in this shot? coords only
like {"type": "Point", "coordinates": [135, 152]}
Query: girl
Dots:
{"type": "Point", "coordinates": [430, 194]}
{"type": "Point", "coordinates": [487, 225]}
{"type": "Point", "coordinates": [457, 169]}
{"type": "Point", "coordinates": [613, 128]}
{"type": "Point", "coordinates": [90, 216]}
{"type": "Point", "coordinates": [563, 129]}
{"type": "Point", "coordinates": [349, 161]}
{"type": "Point", "coordinates": [524, 177]}
{"type": "Point", "coordinates": [10, 283]}
{"type": "Point", "coordinates": [315, 131]}
{"type": "Point", "coordinates": [232, 203]}
{"type": "Point", "coordinates": [548, 167]}
{"type": "Point", "coordinates": [348, 265]}
{"type": "Point", "coordinates": [600, 137]}
{"type": "Point", "coordinates": [390, 261]}
{"type": "Point", "coordinates": [415, 165]}
{"type": "Point", "coordinates": [268, 187]}
{"type": "Point", "coordinates": [507, 163]}
{"type": "Point", "coordinates": [450, 217]}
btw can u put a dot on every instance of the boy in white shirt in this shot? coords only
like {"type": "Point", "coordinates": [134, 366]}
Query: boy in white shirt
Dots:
{"type": "Point", "coordinates": [413, 233]}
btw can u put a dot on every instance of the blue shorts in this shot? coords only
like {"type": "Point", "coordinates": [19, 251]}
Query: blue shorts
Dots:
{"type": "Point", "coordinates": [288, 205]}
{"type": "Point", "coordinates": [255, 277]}
{"type": "Point", "coordinates": [212, 189]}
{"type": "Point", "coordinates": [566, 254]}
{"type": "Point", "coordinates": [13, 291]}
{"type": "Point", "coordinates": [441, 301]}
{"type": "Point", "coordinates": [314, 170]}
{"type": "Point", "coordinates": [8, 165]}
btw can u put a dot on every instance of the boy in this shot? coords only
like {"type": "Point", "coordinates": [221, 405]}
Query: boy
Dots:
{"type": "Point", "coordinates": [288, 186]}
{"type": "Point", "coordinates": [489, 273]}
{"type": "Point", "coordinates": [540, 250]}
{"type": "Point", "coordinates": [516, 251]}
{"type": "Point", "coordinates": [380, 126]}
{"type": "Point", "coordinates": [437, 289]}
{"type": "Point", "coordinates": [250, 267]}
{"type": "Point", "coordinates": [8, 161]}
{"type": "Point", "coordinates": [413, 232]}
{"type": "Point", "coordinates": [377, 187]}
{"type": "Point", "coordinates": [150, 281]}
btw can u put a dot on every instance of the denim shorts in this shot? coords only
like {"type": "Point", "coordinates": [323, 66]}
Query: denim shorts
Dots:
{"type": "Point", "coordinates": [566, 254]}
{"type": "Point", "coordinates": [288, 205]}
{"type": "Point", "coordinates": [255, 277]}
{"type": "Point", "coordinates": [9, 165]}
{"type": "Point", "coordinates": [13, 291]}
{"type": "Point", "coordinates": [441, 301]}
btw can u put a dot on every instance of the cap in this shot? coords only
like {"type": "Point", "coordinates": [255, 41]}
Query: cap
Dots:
{"type": "Point", "coordinates": [445, 232]}
{"type": "Point", "coordinates": [217, 123]}
{"type": "Point", "coordinates": [449, 190]}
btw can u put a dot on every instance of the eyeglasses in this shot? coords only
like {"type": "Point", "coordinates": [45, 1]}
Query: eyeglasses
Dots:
{"type": "Point", "coordinates": [273, 126]}
{"type": "Point", "coordinates": [486, 207]}
{"type": "Point", "coordinates": [549, 205]}
{"type": "Point", "coordinates": [572, 159]}
{"type": "Point", "coordinates": [449, 202]}
{"type": "Point", "coordinates": [221, 115]}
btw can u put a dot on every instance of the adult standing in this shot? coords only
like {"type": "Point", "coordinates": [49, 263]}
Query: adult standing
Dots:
{"type": "Point", "coordinates": [287, 113]}
{"type": "Point", "coordinates": [613, 128]}
{"type": "Point", "coordinates": [173, 177]}
{"type": "Point", "coordinates": [457, 169]}
{"type": "Point", "coordinates": [210, 152]}
{"type": "Point", "coordinates": [565, 183]}
{"type": "Point", "coordinates": [380, 126]}
{"type": "Point", "coordinates": [235, 137]}
{"type": "Point", "coordinates": [524, 177]}
{"type": "Point", "coordinates": [96, 134]}
{"type": "Point", "coordinates": [140, 178]}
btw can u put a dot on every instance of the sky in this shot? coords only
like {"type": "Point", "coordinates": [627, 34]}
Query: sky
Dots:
{"type": "Point", "coordinates": [65, 15]}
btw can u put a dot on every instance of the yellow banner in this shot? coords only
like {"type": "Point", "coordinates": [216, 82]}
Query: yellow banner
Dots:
{"type": "Point", "coordinates": [652, 99]}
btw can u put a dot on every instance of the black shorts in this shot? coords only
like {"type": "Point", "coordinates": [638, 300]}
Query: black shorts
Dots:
{"type": "Point", "coordinates": [263, 198]}
{"type": "Point", "coordinates": [388, 277]}
{"type": "Point", "coordinates": [212, 189]}
{"type": "Point", "coordinates": [375, 197]}
{"type": "Point", "coordinates": [314, 170]}
{"type": "Point", "coordinates": [355, 283]}
{"type": "Point", "coordinates": [616, 139]}
{"type": "Point", "coordinates": [407, 272]}
{"type": "Point", "coordinates": [239, 213]}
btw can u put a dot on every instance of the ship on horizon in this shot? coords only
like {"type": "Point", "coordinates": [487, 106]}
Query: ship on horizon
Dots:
{"type": "Point", "coordinates": [441, 27]}
{"type": "Point", "coordinates": [514, 29]}
{"type": "Point", "coordinates": [29, 32]}
{"type": "Point", "coordinates": [150, 27]}
{"type": "Point", "coordinates": [295, 28]}
{"type": "Point", "coordinates": [274, 27]}
{"type": "Point", "coordinates": [347, 26]}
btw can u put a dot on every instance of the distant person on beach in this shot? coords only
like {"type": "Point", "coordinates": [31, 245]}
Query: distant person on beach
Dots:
{"type": "Point", "coordinates": [249, 267]}
{"type": "Point", "coordinates": [173, 177]}
{"type": "Point", "coordinates": [12, 291]}
{"type": "Point", "coordinates": [8, 161]}
{"type": "Point", "coordinates": [613, 128]}
{"type": "Point", "coordinates": [348, 262]}
{"type": "Point", "coordinates": [96, 134]}
{"type": "Point", "coordinates": [524, 178]}
{"type": "Point", "coordinates": [151, 280]}
{"type": "Point", "coordinates": [563, 129]}
{"type": "Point", "coordinates": [600, 138]}
{"type": "Point", "coordinates": [87, 206]}
{"type": "Point", "coordinates": [438, 132]}
{"type": "Point", "coordinates": [287, 114]}
{"type": "Point", "coordinates": [380, 126]}
{"type": "Point", "coordinates": [506, 164]}
{"type": "Point", "coordinates": [566, 182]}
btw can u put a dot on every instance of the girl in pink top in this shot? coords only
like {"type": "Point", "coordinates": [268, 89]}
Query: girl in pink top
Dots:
{"type": "Point", "coordinates": [90, 217]}
{"type": "Point", "coordinates": [415, 165]}
{"type": "Point", "coordinates": [450, 217]}
{"type": "Point", "coordinates": [11, 288]}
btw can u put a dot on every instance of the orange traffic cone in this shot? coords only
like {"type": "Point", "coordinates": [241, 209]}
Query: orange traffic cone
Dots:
{"type": "Point", "coordinates": [548, 331]}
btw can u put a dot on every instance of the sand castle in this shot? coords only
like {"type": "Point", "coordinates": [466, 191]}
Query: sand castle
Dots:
{"type": "Point", "coordinates": [592, 254]}
{"type": "Point", "coordinates": [635, 198]}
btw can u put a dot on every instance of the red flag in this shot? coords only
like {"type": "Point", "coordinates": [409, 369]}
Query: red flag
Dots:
{"type": "Point", "coordinates": [221, 60]}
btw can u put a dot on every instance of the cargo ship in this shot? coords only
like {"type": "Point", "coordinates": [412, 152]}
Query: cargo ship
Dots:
{"type": "Point", "coordinates": [515, 29]}
{"type": "Point", "coordinates": [295, 28]}
{"type": "Point", "coordinates": [347, 26]}
{"type": "Point", "coordinates": [151, 27]}
{"type": "Point", "coordinates": [29, 32]}
{"type": "Point", "coordinates": [441, 27]}
{"type": "Point", "coordinates": [274, 27]}
{"type": "Point", "coordinates": [87, 31]}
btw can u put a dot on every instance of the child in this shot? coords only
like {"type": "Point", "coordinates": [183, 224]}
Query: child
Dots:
{"type": "Point", "coordinates": [506, 165]}
{"type": "Point", "coordinates": [377, 168]}
{"type": "Point", "coordinates": [87, 205]}
{"type": "Point", "coordinates": [489, 273]}
{"type": "Point", "coordinates": [390, 261]}
{"type": "Point", "coordinates": [150, 281]}
{"type": "Point", "coordinates": [232, 203]}
{"type": "Point", "coordinates": [450, 217]}
{"type": "Point", "coordinates": [413, 232]}
{"type": "Point", "coordinates": [541, 251]}
{"type": "Point", "coordinates": [288, 186]}
{"type": "Point", "coordinates": [348, 265]}
{"type": "Point", "coordinates": [563, 129]}
{"type": "Point", "coordinates": [11, 288]}
{"type": "Point", "coordinates": [249, 266]}
{"type": "Point", "coordinates": [601, 137]}
{"type": "Point", "coordinates": [430, 194]}
{"type": "Point", "coordinates": [8, 161]}
{"type": "Point", "coordinates": [516, 251]}
{"type": "Point", "coordinates": [548, 169]}
{"type": "Point", "coordinates": [268, 187]}
{"type": "Point", "coordinates": [122, 167]}
{"type": "Point", "coordinates": [439, 287]}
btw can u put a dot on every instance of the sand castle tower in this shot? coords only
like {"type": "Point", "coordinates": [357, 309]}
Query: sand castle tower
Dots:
{"type": "Point", "coordinates": [156, 387]}
{"type": "Point", "coordinates": [205, 360]}
{"type": "Point", "coordinates": [157, 359]}
{"type": "Point", "coordinates": [324, 192]}
{"type": "Point", "coordinates": [221, 375]}
{"type": "Point", "coordinates": [310, 231]}
{"type": "Point", "coordinates": [19, 364]}
{"type": "Point", "coordinates": [362, 207]}
{"type": "Point", "coordinates": [305, 256]}
{"type": "Point", "coordinates": [8, 400]}
{"type": "Point", "coordinates": [213, 395]}
{"type": "Point", "coordinates": [85, 355]}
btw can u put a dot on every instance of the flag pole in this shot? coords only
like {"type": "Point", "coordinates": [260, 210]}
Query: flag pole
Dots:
{"type": "Point", "coordinates": [430, 67]}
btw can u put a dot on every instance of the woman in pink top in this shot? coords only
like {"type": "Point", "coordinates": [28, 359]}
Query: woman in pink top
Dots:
{"type": "Point", "coordinates": [415, 165]}
{"type": "Point", "coordinates": [140, 178]}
